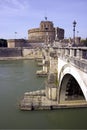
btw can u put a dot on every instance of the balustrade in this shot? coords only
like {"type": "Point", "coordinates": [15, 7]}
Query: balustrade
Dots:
{"type": "Point", "coordinates": [80, 53]}
{"type": "Point", "coordinates": [75, 55]}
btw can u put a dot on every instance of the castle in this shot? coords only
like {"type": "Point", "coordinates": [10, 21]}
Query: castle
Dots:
{"type": "Point", "coordinates": [45, 33]}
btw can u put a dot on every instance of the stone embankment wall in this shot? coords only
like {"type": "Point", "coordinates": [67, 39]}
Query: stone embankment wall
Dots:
{"type": "Point", "coordinates": [27, 52]}
{"type": "Point", "coordinates": [10, 52]}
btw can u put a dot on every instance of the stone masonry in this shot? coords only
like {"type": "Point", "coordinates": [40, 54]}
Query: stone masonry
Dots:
{"type": "Point", "coordinates": [45, 33]}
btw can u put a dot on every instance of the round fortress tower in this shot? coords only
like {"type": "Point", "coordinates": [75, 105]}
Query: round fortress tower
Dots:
{"type": "Point", "coordinates": [45, 33]}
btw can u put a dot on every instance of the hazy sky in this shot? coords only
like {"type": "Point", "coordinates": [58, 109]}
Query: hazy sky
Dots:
{"type": "Point", "coordinates": [21, 15]}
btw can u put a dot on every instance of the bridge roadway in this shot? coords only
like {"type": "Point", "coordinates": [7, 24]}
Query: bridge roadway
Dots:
{"type": "Point", "coordinates": [72, 69]}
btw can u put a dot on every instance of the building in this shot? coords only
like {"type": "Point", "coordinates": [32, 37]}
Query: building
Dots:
{"type": "Point", "coordinates": [45, 33]}
{"type": "Point", "coordinates": [12, 43]}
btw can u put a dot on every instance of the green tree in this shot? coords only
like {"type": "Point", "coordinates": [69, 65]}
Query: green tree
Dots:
{"type": "Point", "coordinates": [84, 42]}
{"type": "Point", "coordinates": [3, 43]}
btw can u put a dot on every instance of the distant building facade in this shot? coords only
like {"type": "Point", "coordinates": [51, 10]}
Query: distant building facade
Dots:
{"type": "Point", "coordinates": [45, 33]}
{"type": "Point", "coordinates": [12, 43]}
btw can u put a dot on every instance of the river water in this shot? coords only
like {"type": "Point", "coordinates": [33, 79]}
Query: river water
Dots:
{"type": "Point", "coordinates": [17, 77]}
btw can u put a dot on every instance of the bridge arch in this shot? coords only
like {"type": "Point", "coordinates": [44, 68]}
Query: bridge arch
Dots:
{"type": "Point", "coordinates": [71, 84]}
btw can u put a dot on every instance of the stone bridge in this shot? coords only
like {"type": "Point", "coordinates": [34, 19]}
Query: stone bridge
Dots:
{"type": "Point", "coordinates": [72, 73]}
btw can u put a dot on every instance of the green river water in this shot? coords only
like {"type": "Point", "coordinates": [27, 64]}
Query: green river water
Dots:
{"type": "Point", "coordinates": [17, 77]}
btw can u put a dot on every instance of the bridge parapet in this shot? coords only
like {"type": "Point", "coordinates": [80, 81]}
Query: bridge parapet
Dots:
{"type": "Point", "coordinates": [77, 56]}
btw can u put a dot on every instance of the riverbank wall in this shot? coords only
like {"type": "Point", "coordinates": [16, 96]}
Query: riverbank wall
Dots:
{"type": "Point", "coordinates": [10, 52]}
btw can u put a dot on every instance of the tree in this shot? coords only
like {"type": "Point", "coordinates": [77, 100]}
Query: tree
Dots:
{"type": "Point", "coordinates": [3, 43]}
{"type": "Point", "coordinates": [84, 42]}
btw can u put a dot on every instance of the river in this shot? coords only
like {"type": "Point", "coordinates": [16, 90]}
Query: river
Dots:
{"type": "Point", "coordinates": [17, 77]}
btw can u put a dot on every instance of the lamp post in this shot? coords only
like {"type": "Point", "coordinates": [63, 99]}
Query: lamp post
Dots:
{"type": "Point", "coordinates": [77, 33]}
{"type": "Point", "coordinates": [74, 25]}
{"type": "Point", "coordinates": [15, 34]}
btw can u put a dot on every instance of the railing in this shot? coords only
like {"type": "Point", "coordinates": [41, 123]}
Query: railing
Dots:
{"type": "Point", "coordinates": [77, 56]}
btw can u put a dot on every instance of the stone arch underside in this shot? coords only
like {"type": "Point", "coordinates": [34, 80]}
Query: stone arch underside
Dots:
{"type": "Point", "coordinates": [71, 86]}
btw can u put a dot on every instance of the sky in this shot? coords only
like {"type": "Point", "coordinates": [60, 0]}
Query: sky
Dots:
{"type": "Point", "coordinates": [21, 15]}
